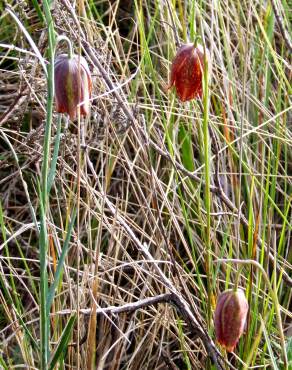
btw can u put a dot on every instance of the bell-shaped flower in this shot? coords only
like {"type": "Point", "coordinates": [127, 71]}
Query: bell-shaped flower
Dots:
{"type": "Point", "coordinates": [187, 71]}
{"type": "Point", "coordinates": [72, 86]}
{"type": "Point", "coordinates": [230, 317]}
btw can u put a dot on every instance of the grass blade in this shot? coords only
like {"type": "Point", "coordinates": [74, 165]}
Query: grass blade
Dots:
{"type": "Point", "coordinates": [59, 270]}
{"type": "Point", "coordinates": [61, 347]}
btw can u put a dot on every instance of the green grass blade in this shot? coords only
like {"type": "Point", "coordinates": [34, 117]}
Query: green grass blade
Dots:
{"type": "Point", "coordinates": [268, 342]}
{"type": "Point", "coordinates": [52, 171]}
{"type": "Point", "coordinates": [59, 270]}
{"type": "Point", "coordinates": [61, 347]}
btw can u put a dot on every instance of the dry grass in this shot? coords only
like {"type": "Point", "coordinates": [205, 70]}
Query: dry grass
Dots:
{"type": "Point", "coordinates": [142, 186]}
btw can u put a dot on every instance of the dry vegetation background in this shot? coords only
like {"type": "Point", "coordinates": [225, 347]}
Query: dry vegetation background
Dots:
{"type": "Point", "coordinates": [148, 225]}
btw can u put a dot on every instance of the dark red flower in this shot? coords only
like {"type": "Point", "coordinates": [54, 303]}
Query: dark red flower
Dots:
{"type": "Point", "coordinates": [230, 318]}
{"type": "Point", "coordinates": [187, 71]}
{"type": "Point", "coordinates": [72, 87]}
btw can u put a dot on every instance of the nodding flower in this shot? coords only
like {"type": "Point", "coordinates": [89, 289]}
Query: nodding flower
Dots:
{"type": "Point", "coordinates": [230, 317]}
{"type": "Point", "coordinates": [187, 71]}
{"type": "Point", "coordinates": [72, 87]}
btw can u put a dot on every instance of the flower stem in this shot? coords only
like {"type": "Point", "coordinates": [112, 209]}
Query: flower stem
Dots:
{"type": "Point", "coordinates": [196, 40]}
{"type": "Point", "coordinates": [44, 195]}
{"type": "Point", "coordinates": [65, 38]}
{"type": "Point", "coordinates": [208, 262]}
{"type": "Point", "coordinates": [237, 279]}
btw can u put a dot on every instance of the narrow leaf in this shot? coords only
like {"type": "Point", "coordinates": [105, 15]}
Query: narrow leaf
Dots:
{"type": "Point", "coordinates": [59, 270]}
{"type": "Point", "coordinates": [57, 355]}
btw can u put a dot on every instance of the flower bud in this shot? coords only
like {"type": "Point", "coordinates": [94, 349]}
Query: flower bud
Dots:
{"type": "Point", "coordinates": [187, 71]}
{"type": "Point", "coordinates": [72, 86]}
{"type": "Point", "coordinates": [230, 318]}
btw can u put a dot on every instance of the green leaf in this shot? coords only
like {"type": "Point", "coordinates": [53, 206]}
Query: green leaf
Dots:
{"type": "Point", "coordinates": [2, 364]}
{"type": "Point", "coordinates": [58, 354]}
{"type": "Point", "coordinates": [289, 352]}
{"type": "Point", "coordinates": [59, 270]}
{"type": "Point", "coordinates": [52, 170]}
{"type": "Point", "coordinates": [186, 148]}
{"type": "Point", "coordinates": [268, 342]}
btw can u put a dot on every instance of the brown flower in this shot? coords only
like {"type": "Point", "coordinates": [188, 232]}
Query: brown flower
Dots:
{"type": "Point", "coordinates": [230, 318]}
{"type": "Point", "coordinates": [72, 87]}
{"type": "Point", "coordinates": [187, 71]}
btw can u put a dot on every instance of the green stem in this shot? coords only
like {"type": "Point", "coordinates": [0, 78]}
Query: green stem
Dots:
{"type": "Point", "coordinates": [196, 40]}
{"type": "Point", "coordinates": [273, 296]}
{"type": "Point", "coordinates": [52, 171]}
{"type": "Point", "coordinates": [65, 38]}
{"type": "Point", "coordinates": [207, 186]}
{"type": "Point", "coordinates": [237, 279]}
{"type": "Point", "coordinates": [44, 312]}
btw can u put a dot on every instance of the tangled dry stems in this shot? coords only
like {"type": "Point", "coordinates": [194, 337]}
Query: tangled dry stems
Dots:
{"type": "Point", "coordinates": [132, 239]}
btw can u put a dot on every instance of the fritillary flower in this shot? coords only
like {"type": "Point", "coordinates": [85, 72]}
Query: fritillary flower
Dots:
{"type": "Point", "coordinates": [187, 71]}
{"type": "Point", "coordinates": [72, 87]}
{"type": "Point", "coordinates": [230, 317]}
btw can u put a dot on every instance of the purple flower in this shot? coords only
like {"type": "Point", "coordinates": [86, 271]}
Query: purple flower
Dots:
{"type": "Point", "coordinates": [187, 71]}
{"type": "Point", "coordinates": [230, 317]}
{"type": "Point", "coordinates": [72, 86]}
